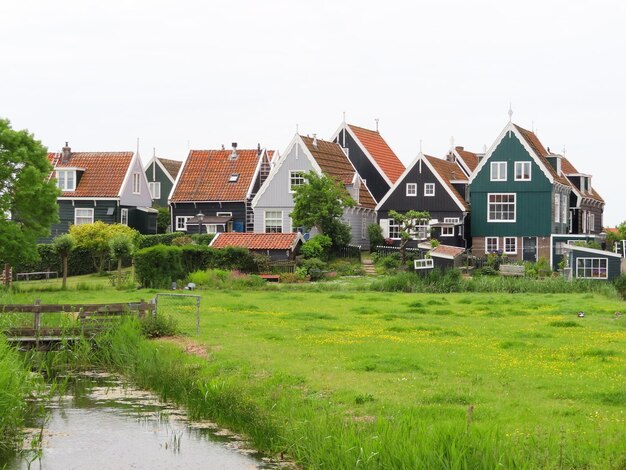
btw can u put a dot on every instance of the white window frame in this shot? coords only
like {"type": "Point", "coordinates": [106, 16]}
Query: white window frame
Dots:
{"type": "Point", "coordinates": [211, 228]}
{"type": "Point", "coordinates": [447, 231]}
{"type": "Point", "coordinates": [487, 239]}
{"type": "Point", "coordinates": [521, 166]}
{"type": "Point", "coordinates": [411, 189]}
{"type": "Point", "coordinates": [489, 203]}
{"type": "Point", "coordinates": [62, 180]}
{"type": "Point", "coordinates": [564, 208]}
{"type": "Point", "coordinates": [182, 218]}
{"type": "Point", "coordinates": [585, 268]}
{"type": "Point", "coordinates": [155, 189]}
{"type": "Point", "coordinates": [296, 178]}
{"type": "Point", "coordinates": [557, 208]}
{"type": "Point", "coordinates": [136, 183]}
{"type": "Point", "coordinates": [233, 178]}
{"type": "Point", "coordinates": [78, 217]}
{"type": "Point", "coordinates": [429, 189]}
{"type": "Point", "coordinates": [364, 224]}
{"type": "Point", "coordinates": [591, 225]}
{"type": "Point", "coordinates": [506, 245]}
{"type": "Point", "coordinates": [498, 171]}
{"type": "Point", "coordinates": [223, 214]}
{"type": "Point", "coordinates": [451, 220]}
{"type": "Point", "coordinates": [124, 216]}
{"type": "Point", "coordinates": [275, 219]}
{"type": "Point", "coordinates": [426, 263]}
{"type": "Point", "coordinates": [395, 230]}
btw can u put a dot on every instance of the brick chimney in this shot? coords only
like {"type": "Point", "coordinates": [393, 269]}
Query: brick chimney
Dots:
{"type": "Point", "coordinates": [66, 154]}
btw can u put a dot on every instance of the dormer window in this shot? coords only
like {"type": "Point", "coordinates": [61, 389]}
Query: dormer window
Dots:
{"type": "Point", "coordinates": [66, 180]}
{"type": "Point", "coordinates": [234, 177]}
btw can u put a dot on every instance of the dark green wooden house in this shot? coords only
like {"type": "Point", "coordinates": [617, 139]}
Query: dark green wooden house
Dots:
{"type": "Point", "coordinates": [161, 174]}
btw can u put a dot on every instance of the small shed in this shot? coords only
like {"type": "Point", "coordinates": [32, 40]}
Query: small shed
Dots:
{"type": "Point", "coordinates": [591, 263]}
{"type": "Point", "coordinates": [278, 246]}
{"type": "Point", "coordinates": [446, 256]}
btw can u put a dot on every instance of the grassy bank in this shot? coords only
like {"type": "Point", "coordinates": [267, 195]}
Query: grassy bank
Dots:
{"type": "Point", "coordinates": [345, 378]}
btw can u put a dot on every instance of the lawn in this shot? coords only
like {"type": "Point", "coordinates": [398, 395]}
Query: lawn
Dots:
{"type": "Point", "coordinates": [386, 378]}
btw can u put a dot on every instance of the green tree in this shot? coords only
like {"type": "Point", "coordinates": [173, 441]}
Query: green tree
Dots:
{"type": "Point", "coordinates": [408, 222]}
{"type": "Point", "coordinates": [95, 237]}
{"type": "Point", "coordinates": [63, 246]}
{"type": "Point", "coordinates": [27, 194]}
{"type": "Point", "coordinates": [319, 203]}
{"type": "Point", "coordinates": [375, 234]}
{"type": "Point", "coordinates": [121, 246]}
{"type": "Point", "coordinates": [163, 219]}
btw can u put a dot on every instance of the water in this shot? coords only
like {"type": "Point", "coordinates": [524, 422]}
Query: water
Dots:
{"type": "Point", "coordinates": [105, 424]}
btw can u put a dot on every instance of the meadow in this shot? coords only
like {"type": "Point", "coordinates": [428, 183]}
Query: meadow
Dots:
{"type": "Point", "coordinates": [341, 377]}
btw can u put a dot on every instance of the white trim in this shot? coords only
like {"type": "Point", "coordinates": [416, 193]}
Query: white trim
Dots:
{"type": "Point", "coordinates": [506, 221]}
{"type": "Point", "coordinates": [290, 175]}
{"type": "Point", "coordinates": [420, 157]}
{"type": "Point", "coordinates": [180, 172]}
{"type": "Point", "coordinates": [181, 217]}
{"type": "Point", "coordinates": [123, 212]}
{"type": "Point", "coordinates": [530, 170]}
{"type": "Point", "coordinates": [463, 165]}
{"type": "Point", "coordinates": [606, 261]}
{"type": "Point", "coordinates": [257, 170]}
{"type": "Point", "coordinates": [65, 172]}
{"type": "Point", "coordinates": [499, 165]}
{"type": "Point", "coordinates": [448, 234]}
{"type": "Point", "coordinates": [413, 187]}
{"type": "Point", "coordinates": [282, 221]}
{"type": "Point", "coordinates": [151, 185]}
{"type": "Point", "coordinates": [487, 244]}
{"type": "Point", "coordinates": [510, 127]}
{"type": "Point", "coordinates": [426, 263]}
{"type": "Point", "coordinates": [594, 251]}
{"type": "Point", "coordinates": [504, 243]}
{"type": "Point", "coordinates": [223, 214]}
{"type": "Point", "coordinates": [87, 198]}
{"type": "Point", "coordinates": [428, 186]}
{"type": "Point", "coordinates": [84, 216]}
{"type": "Point", "coordinates": [129, 171]}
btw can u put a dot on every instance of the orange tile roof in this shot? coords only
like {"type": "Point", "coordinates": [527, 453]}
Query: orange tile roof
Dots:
{"type": "Point", "coordinates": [447, 251]}
{"type": "Point", "coordinates": [449, 171]}
{"type": "Point", "coordinates": [172, 166]}
{"type": "Point", "coordinates": [206, 173]}
{"type": "Point", "coordinates": [470, 158]}
{"type": "Point", "coordinates": [104, 172]}
{"type": "Point", "coordinates": [534, 142]}
{"type": "Point", "coordinates": [256, 241]}
{"type": "Point", "coordinates": [568, 169]}
{"type": "Point", "coordinates": [333, 161]}
{"type": "Point", "coordinates": [380, 151]}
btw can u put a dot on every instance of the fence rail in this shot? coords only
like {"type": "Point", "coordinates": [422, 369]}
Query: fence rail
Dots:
{"type": "Point", "coordinates": [411, 253]}
{"type": "Point", "coordinates": [283, 266]}
{"type": "Point", "coordinates": [349, 251]}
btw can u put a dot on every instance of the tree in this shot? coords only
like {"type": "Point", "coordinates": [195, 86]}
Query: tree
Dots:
{"type": "Point", "coordinates": [319, 203]}
{"type": "Point", "coordinates": [63, 246]}
{"type": "Point", "coordinates": [121, 246]}
{"type": "Point", "coordinates": [163, 219]}
{"type": "Point", "coordinates": [375, 234]}
{"type": "Point", "coordinates": [95, 237]}
{"type": "Point", "coordinates": [408, 222]}
{"type": "Point", "coordinates": [27, 194]}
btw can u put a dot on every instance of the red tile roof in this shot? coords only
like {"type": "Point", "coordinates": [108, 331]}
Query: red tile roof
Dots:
{"type": "Point", "coordinates": [534, 142]}
{"type": "Point", "coordinates": [569, 169]}
{"type": "Point", "coordinates": [256, 241]}
{"type": "Point", "coordinates": [104, 172]}
{"type": "Point", "coordinates": [380, 151]}
{"type": "Point", "coordinates": [172, 166]}
{"type": "Point", "coordinates": [206, 173]}
{"type": "Point", "coordinates": [447, 251]}
{"type": "Point", "coordinates": [470, 158]}
{"type": "Point", "coordinates": [449, 171]}
{"type": "Point", "coordinates": [333, 161]}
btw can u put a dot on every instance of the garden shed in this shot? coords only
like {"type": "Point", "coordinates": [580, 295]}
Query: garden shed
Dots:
{"type": "Point", "coordinates": [278, 246]}
{"type": "Point", "coordinates": [591, 263]}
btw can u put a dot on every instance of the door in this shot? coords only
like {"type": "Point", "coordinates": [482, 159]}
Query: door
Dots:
{"type": "Point", "coordinates": [529, 252]}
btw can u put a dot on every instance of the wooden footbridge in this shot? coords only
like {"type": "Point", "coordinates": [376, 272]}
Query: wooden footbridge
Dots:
{"type": "Point", "coordinates": [44, 326]}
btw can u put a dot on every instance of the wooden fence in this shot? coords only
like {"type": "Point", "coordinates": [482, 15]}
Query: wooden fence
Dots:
{"type": "Point", "coordinates": [349, 251]}
{"type": "Point", "coordinates": [283, 266]}
{"type": "Point", "coordinates": [411, 253]}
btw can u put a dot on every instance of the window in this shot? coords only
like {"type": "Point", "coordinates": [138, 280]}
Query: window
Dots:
{"type": "Point", "coordinates": [394, 229]}
{"type": "Point", "coordinates": [124, 216]}
{"type": "Point", "coordinates": [429, 189]}
{"type": "Point", "coordinates": [155, 189]}
{"type": "Point", "coordinates": [181, 222]}
{"type": "Point", "coordinates": [296, 178]}
{"type": "Point", "coordinates": [66, 180]}
{"type": "Point", "coordinates": [83, 216]}
{"type": "Point", "coordinates": [591, 268]}
{"type": "Point", "coordinates": [273, 222]}
{"type": "Point", "coordinates": [233, 178]}
{"type": "Point", "coordinates": [451, 220]}
{"type": "Point", "coordinates": [447, 231]}
{"type": "Point", "coordinates": [501, 207]}
{"type": "Point", "coordinates": [421, 231]}
{"type": "Point", "coordinates": [411, 189]}
{"type": "Point", "coordinates": [510, 245]}
{"type": "Point", "coordinates": [584, 218]}
{"type": "Point", "coordinates": [211, 228]}
{"type": "Point", "coordinates": [522, 171]}
{"type": "Point", "coordinates": [557, 208]}
{"type": "Point", "coordinates": [592, 223]}
{"type": "Point", "coordinates": [498, 171]}
{"type": "Point", "coordinates": [364, 228]}
{"type": "Point", "coordinates": [224, 214]}
{"type": "Point", "coordinates": [491, 244]}
{"type": "Point", "coordinates": [136, 183]}
{"type": "Point", "coordinates": [564, 207]}
{"type": "Point", "coordinates": [426, 263]}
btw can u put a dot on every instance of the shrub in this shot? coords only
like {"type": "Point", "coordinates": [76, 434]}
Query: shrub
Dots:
{"type": "Point", "coordinates": [375, 235]}
{"type": "Point", "coordinates": [182, 241]}
{"type": "Point", "coordinates": [346, 268]}
{"type": "Point", "coordinates": [159, 266]}
{"type": "Point", "coordinates": [262, 262]}
{"type": "Point", "coordinates": [317, 247]}
{"type": "Point", "coordinates": [158, 326]}
{"type": "Point", "coordinates": [202, 238]}
{"type": "Point", "coordinates": [389, 262]}
{"type": "Point", "coordinates": [96, 236]}
{"type": "Point", "coordinates": [292, 278]}
{"type": "Point", "coordinates": [78, 263]}
{"type": "Point", "coordinates": [620, 285]}
{"type": "Point", "coordinates": [163, 219]}
{"type": "Point", "coordinates": [146, 241]}
{"type": "Point", "coordinates": [314, 268]}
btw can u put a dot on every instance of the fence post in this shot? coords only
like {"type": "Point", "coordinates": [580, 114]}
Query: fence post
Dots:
{"type": "Point", "coordinates": [142, 308]}
{"type": "Point", "coordinates": [197, 315]}
{"type": "Point", "coordinates": [37, 316]}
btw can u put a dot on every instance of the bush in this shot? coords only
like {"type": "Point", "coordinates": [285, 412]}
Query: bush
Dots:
{"type": "Point", "coordinates": [292, 278]}
{"type": "Point", "coordinates": [345, 267]}
{"type": "Point", "coordinates": [221, 279]}
{"type": "Point", "coordinates": [146, 241]}
{"type": "Point", "coordinates": [163, 220]}
{"type": "Point", "coordinates": [375, 234]}
{"type": "Point", "coordinates": [620, 285]}
{"type": "Point", "coordinates": [159, 266]}
{"type": "Point", "coordinates": [158, 326]}
{"type": "Point", "coordinates": [203, 238]}
{"type": "Point", "coordinates": [182, 241]}
{"type": "Point", "coordinates": [388, 263]}
{"type": "Point", "coordinates": [79, 262]}
{"type": "Point", "coordinates": [314, 268]}
{"type": "Point", "coordinates": [317, 247]}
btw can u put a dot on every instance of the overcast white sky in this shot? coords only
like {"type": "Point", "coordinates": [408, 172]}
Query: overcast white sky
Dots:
{"type": "Point", "coordinates": [206, 73]}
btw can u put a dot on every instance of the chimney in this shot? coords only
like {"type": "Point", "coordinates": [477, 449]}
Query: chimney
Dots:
{"type": "Point", "coordinates": [233, 155]}
{"type": "Point", "coordinates": [258, 149]}
{"type": "Point", "coordinates": [315, 140]}
{"type": "Point", "coordinates": [66, 154]}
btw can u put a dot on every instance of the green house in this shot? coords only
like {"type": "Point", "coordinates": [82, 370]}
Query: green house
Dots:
{"type": "Point", "coordinates": [161, 174]}
{"type": "Point", "coordinates": [519, 197]}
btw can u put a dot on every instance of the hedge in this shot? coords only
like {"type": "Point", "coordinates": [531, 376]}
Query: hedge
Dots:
{"type": "Point", "coordinates": [79, 262]}
{"type": "Point", "coordinates": [146, 241]}
{"type": "Point", "coordinates": [160, 265]}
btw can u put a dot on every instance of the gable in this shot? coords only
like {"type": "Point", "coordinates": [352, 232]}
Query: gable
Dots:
{"type": "Point", "coordinates": [127, 197]}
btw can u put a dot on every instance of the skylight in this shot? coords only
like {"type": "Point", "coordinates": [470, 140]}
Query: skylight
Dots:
{"type": "Point", "coordinates": [233, 178]}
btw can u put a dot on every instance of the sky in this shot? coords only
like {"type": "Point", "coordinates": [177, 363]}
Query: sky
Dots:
{"type": "Point", "coordinates": [198, 74]}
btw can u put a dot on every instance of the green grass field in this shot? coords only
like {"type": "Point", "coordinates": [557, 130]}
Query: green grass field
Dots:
{"type": "Point", "coordinates": [390, 380]}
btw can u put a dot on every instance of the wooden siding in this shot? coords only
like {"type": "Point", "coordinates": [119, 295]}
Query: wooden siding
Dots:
{"type": "Point", "coordinates": [143, 199]}
{"type": "Point", "coordinates": [364, 167]}
{"type": "Point", "coordinates": [161, 177]}
{"type": "Point", "coordinates": [238, 209]}
{"type": "Point", "coordinates": [66, 215]}
{"type": "Point", "coordinates": [534, 200]}
{"type": "Point", "coordinates": [613, 263]}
